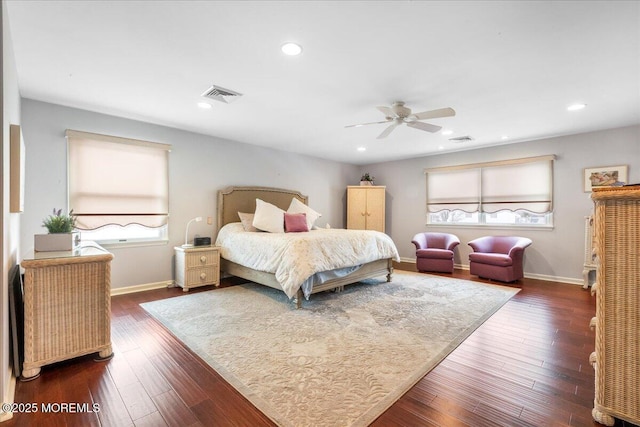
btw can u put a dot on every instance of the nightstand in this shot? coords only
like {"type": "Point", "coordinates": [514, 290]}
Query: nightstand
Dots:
{"type": "Point", "coordinates": [197, 266]}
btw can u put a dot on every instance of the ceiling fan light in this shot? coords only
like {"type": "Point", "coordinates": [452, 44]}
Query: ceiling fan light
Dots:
{"type": "Point", "coordinates": [291, 49]}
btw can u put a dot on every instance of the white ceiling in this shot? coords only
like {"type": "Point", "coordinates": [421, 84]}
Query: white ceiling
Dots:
{"type": "Point", "coordinates": [507, 68]}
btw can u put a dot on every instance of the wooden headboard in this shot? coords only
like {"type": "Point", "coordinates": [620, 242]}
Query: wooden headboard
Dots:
{"type": "Point", "coordinates": [232, 200]}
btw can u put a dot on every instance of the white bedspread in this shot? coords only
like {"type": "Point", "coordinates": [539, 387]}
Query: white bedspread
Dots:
{"type": "Point", "coordinates": [294, 257]}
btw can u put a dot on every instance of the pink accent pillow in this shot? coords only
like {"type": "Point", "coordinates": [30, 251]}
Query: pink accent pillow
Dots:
{"type": "Point", "coordinates": [295, 222]}
{"type": "Point", "coordinates": [297, 206]}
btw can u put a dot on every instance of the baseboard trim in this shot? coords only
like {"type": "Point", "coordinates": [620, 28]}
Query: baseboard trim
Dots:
{"type": "Point", "coordinates": [9, 396]}
{"type": "Point", "coordinates": [141, 288]}
{"type": "Point", "coordinates": [405, 264]}
{"type": "Point", "coordinates": [568, 280]}
{"type": "Point", "coordinates": [409, 264]}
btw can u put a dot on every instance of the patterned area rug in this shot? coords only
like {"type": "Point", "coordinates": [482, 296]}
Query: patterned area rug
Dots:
{"type": "Point", "coordinates": [343, 358]}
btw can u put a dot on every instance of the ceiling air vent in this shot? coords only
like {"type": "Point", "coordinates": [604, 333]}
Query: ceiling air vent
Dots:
{"type": "Point", "coordinates": [465, 138]}
{"type": "Point", "coordinates": [221, 94]}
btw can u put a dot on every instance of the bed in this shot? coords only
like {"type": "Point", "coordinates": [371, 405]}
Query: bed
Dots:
{"type": "Point", "coordinates": [243, 199]}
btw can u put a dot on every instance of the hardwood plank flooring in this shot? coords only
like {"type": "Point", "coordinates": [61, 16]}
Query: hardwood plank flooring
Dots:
{"type": "Point", "coordinates": [525, 366]}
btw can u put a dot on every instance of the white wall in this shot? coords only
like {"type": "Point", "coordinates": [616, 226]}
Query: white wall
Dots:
{"type": "Point", "coordinates": [556, 253]}
{"type": "Point", "coordinates": [199, 166]}
{"type": "Point", "coordinates": [10, 222]}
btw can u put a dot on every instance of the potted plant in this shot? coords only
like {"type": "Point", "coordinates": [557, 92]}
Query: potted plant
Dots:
{"type": "Point", "coordinates": [62, 236]}
{"type": "Point", "coordinates": [367, 179]}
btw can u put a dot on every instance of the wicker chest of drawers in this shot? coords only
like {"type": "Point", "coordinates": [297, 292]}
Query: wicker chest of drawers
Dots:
{"type": "Point", "coordinates": [617, 289]}
{"type": "Point", "coordinates": [67, 306]}
{"type": "Point", "coordinates": [197, 266]}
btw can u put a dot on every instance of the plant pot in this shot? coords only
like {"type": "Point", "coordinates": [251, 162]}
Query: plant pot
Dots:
{"type": "Point", "coordinates": [366, 182]}
{"type": "Point", "coordinates": [56, 242]}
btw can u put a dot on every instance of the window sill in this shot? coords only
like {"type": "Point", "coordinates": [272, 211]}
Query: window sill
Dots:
{"type": "Point", "coordinates": [110, 244]}
{"type": "Point", "coordinates": [494, 227]}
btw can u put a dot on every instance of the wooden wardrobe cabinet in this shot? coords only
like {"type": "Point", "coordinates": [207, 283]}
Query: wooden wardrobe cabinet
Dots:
{"type": "Point", "coordinates": [617, 357]}
{"type": "Point", "coordinates": [366, 207]}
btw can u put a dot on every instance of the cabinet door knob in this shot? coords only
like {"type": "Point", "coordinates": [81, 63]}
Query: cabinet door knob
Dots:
{"type": "Point", "coordinates": [203, 276]}
{"type": "Point", "coordinates": [203, 259]}
{"type": "Point", "coordinates": [362, 213]}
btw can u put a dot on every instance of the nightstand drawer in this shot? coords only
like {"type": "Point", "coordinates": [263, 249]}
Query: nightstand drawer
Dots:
{"type": "Point", "coordinates": [202, 258]}
{"type": "Point", "coordinates": [201, 276]}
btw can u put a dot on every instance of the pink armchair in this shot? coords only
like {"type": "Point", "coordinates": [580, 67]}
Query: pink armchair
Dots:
{"type": "Point", "coordinates": [498, 257]}
{"type": "Point", "coordinates": [434, 251]}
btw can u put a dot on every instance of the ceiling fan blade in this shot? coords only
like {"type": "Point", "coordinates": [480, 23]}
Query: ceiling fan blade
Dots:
{"type": "Point", "coordinates": [434, 114]}
{"type": "Point", "coordinates": [365, 124]}
{"type": "Point", "coordinates": [424, 126]}
{"type": "Point", "coordinates": [388, 112]}
{"type": "Point", "coordinates": [388, 130]}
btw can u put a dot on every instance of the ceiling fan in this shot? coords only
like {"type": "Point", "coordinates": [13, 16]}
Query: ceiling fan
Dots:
{"type": "Point", "coordinates": [398, 114]}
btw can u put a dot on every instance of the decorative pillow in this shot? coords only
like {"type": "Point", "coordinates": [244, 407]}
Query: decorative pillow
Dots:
{"type": "Point", "coordinates": [247, 221]}
{"type": "Point", "coordinates": [297, 206]}
{"type": "Point", "coordinates": [268, 217]}
{"type": "Point", "coordinates": [295, 222]}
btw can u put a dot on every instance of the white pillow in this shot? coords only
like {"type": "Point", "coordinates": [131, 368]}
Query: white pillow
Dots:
{"type": "Point", "coordinates": [268, 217]}
{"type": "Point", "coordinates": [247, 221]}
{"type": "Point", "coordinates": [297, 206]}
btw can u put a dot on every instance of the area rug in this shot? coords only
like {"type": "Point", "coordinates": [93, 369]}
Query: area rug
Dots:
{"type": "Point", "coordinates": [342, 359]}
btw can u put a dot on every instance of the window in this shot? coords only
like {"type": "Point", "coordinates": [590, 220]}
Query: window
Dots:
{"type": "Point", "coordinates": [118, 187]}
{"type": "Point", "coordinates": [515, 193]}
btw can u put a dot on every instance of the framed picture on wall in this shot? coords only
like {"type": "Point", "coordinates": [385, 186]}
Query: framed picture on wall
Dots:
{"type": "Point", "coordinates": [605, 176]}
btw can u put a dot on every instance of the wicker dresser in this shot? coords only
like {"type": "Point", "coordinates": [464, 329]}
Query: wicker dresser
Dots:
{"type": "Point", "coordinates": [67, 306]}
{"type": "Point", "coordinates": [617, 288]}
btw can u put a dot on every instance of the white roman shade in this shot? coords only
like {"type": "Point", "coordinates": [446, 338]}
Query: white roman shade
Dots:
{"type": "Point", "coordinates": [457, 189]}
{"type": "Point", "coordinates": [518, 184]}
{"type": "Point", "coordinates": [117, 181]}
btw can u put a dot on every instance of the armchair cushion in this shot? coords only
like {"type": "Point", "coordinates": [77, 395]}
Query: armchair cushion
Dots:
{"type": "Point", "coordinates": [434, 253]}
{"type": "Point", "coordinates": [493, 259]}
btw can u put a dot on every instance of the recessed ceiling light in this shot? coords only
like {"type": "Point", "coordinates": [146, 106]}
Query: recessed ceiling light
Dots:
{"type": "Point", "coordinates": [447, 132]}
{"type": "Point", "coordinates": [205, 105]}
{"type": "Point", "coordinates": [440, 147]}
{"type": "Point", "coordinates": [362, 149]}
{"type": "Point", "coordinates": [505, 136]}
{"type": "Point", "coordinates": [576, 107]}
{"type": "Point", "coordinates": [291, 49]}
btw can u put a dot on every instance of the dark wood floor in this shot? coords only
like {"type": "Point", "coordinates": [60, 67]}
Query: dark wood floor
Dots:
{"type": "Point", "coordinates": [526, 366]}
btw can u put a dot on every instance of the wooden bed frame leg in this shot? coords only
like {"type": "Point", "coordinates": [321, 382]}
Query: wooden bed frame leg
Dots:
{"type": "Point", "coordinates": [299, 297]}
